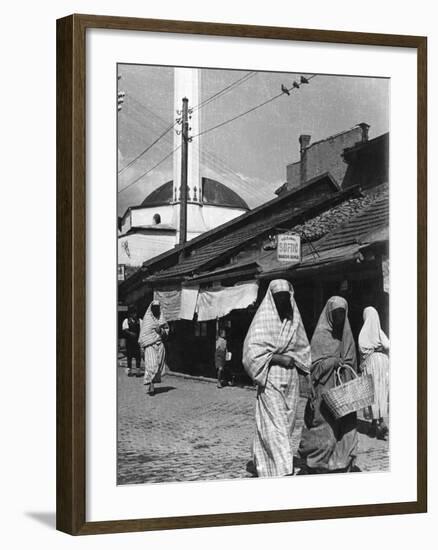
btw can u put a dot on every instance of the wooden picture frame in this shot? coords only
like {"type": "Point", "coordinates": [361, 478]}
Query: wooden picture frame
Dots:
{"type": "Point", "coordinates": [71, 273]}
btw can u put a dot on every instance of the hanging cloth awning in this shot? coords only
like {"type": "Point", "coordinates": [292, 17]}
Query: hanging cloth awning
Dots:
{"type": "Point", "coordinates": [218, 302]}
{"type": "Point", "coordinates": [179, 303]}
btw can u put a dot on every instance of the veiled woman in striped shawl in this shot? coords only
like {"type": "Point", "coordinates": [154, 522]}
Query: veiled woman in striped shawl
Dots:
{"type": "Point", "coordinates": [154, 329]}
{"type": "Point", "coordinates": [329, 444]}
{"type": "Point", "coordinates": [275, 347]}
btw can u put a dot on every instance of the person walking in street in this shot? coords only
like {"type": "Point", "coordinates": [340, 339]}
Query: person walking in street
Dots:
{"type": "Point", "coordinates": [275, 347]}
{"type": "Point", "coordinates": [329, 444]}
{"type": "Point", "coordinates": [154, 330]}
{"type": "Point", "coordinates": [220, 357]}
{"type": "Point", "coordinates": [374, 351]}
{"type": "Point", "coordinates": [131, 332]}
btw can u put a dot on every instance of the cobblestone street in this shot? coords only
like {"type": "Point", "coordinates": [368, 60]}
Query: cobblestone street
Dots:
{"type": "Point", "coordinates": [190, 430]}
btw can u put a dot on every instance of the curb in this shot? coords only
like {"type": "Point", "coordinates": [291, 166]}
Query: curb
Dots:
{"type": "Point", "coordinates": [204, 379]}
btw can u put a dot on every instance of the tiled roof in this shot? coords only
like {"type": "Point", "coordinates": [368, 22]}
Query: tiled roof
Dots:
{"type": "Point", "coordinates": [341, 229]}
{"type": "Point", "coordinates": [336, 217]}
{"type": "Point", "coordinates": [243, 219]}
{"type": "Point", "coordinates": [344, 224]}
{"type": "Point", "coordinates": [157, 265]}
{"type": "Point", "coordinates": [208, 253]}
{"type": "Point", "coordinates": [372, 217]}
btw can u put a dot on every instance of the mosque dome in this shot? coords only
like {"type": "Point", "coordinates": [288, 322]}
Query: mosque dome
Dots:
{"type": "Point", "coordinates": [214, 193]}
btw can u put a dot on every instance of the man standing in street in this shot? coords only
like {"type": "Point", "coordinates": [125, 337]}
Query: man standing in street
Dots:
{"type": "Point", "coordinates": [131, 331]}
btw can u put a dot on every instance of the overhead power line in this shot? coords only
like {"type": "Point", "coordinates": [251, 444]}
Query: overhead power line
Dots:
{"type": "Point", "coordinates": [130, 163]}
{"type": "Point", "coordinates": [150, 170]}
{"type": "Point", "coordinates": [212, 160]}
{"type": "Point", "coordinates": [283, 92]}
{"type": "Point", "coordinates": [225, 90]}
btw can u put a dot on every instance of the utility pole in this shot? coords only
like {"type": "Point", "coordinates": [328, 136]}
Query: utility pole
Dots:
{"type": "Point", "coordinates": [184, 165]}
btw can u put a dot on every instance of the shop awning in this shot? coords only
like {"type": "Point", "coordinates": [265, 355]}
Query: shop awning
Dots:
{"type": "Point", "coordinates": [241, 270]}
{"type": "Point", "coordinates": [179, 303]}
{"type": "Point", "coordinates": [218, 302]}
{"type": "Point", "coordinates": [311, 262]}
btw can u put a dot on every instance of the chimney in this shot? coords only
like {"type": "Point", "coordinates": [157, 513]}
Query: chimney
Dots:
{"type": "Point", "coordinates": [364, 127]}
{"type": "Point", "coordinates": [304, 140]}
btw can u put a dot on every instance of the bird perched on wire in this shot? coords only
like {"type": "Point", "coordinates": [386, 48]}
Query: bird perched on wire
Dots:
{"type": "Point", "coordinates": [284, 89]}
{"type": "Point", "coordinates": [304, 80]}
{"type": "Point", "coordinates": [295, 84]}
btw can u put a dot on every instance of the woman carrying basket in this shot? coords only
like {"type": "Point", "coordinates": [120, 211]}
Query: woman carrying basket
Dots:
{"type": "Point", "coordinates": [374, 350]}
{"type": "Point", "coordinates": [329, 444]}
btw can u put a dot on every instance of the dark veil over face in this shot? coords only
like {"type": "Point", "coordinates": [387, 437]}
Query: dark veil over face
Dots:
{"type": "Point", "coordinates": [333, 336]}
{"type": "Point", "coordinates": [283, 305]}
{"type": "Point", "coordinates": [338, 321]}
{"type": "Point", "coordinates": [155, 309]}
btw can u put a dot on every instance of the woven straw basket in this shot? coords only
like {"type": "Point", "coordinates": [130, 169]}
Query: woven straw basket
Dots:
{"type": "Point", "coordinates": [351, 396]}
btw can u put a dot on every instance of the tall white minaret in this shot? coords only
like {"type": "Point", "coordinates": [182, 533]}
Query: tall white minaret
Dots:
{"type": "Point", "coordinates": [187, 84]}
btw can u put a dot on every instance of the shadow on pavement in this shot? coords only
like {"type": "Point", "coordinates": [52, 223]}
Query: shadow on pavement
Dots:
{"type": "Point", "coordinates": [163, 389]}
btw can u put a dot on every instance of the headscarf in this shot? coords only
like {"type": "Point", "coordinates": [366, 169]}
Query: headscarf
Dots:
{"type": "Point", "coordinates": [324, 345]}
{"type": "Point", "coordinates": [268, 335]}
{"type": "Point", "coordinates": [371, 337]}
{"type": "Point", "coordinates": [280, 285]}
{"type": "Point", "coordinates": [149, 333]}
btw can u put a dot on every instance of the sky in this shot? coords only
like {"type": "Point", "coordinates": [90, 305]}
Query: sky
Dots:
{"type": "Point", "coordinates": [250, 154]}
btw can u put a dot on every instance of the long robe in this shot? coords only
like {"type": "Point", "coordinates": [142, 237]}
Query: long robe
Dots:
{"type": "Point", "coordinates": [278, 386]}
{"type": "Point", "coordinates": [151, 342]}
{"type": "Point", "coordinates": [327, 443]}
{"type": "Point", "coordinates": [374, 349]}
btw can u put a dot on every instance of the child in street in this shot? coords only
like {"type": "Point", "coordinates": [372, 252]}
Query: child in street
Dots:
{"type": "Point", "coordinates": [220, 357]}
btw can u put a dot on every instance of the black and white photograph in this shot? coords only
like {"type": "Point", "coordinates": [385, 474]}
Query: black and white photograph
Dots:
{"type": "Point", "coordinates": [217, 221]}
{"type": "Point", "coordinates": [252, 274]}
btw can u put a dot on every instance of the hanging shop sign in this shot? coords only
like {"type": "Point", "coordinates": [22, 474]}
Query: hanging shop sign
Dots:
{"type": "Point", "coordinates": [289, 248]}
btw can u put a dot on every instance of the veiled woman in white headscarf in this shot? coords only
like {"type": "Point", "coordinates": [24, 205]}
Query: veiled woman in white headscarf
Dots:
{"type": "Point", "coordinates": [275, 347]}
{"type": "Point", "coordinates": [329, 444]}
{"type": "Point", "coordinates": [154, 329]}
{"type": "Point", "coordinates": [374, 350]}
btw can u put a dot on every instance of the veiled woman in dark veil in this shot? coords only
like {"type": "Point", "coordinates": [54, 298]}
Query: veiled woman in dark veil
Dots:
{"type": "Point", "coordinates": [329, 444]}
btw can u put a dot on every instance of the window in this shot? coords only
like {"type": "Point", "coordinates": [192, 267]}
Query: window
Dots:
{"type": "Point", "coordinates": [200, 329]}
